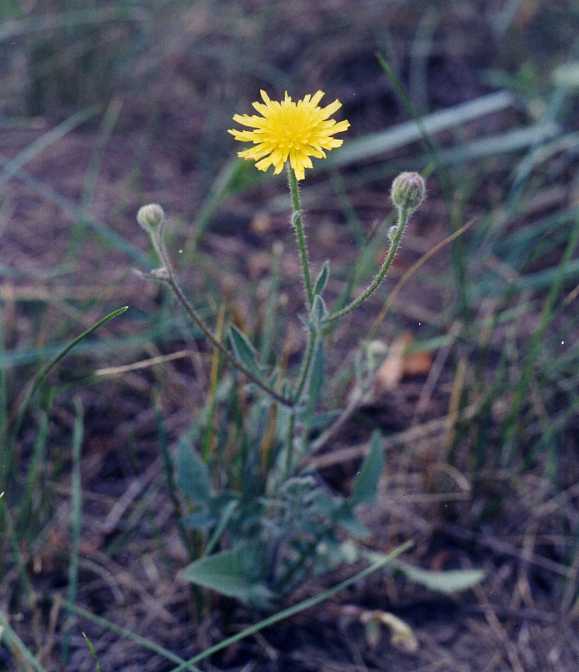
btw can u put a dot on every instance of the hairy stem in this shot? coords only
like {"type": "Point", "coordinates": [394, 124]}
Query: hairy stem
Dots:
{"type": "Point", "coordinates": [290, 445]}
{"type": "Point", "coordinates": [298, 227]}
{"type": "Point", "coordinates": [403, 218]}
{"type": "Point", "coordinates": [195, 318]}
{"type": "Point", "coordinates": [306, 365]}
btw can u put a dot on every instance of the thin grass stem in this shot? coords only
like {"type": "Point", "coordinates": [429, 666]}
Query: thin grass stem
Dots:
{"type": "Point", "coordinates": [75, 521]}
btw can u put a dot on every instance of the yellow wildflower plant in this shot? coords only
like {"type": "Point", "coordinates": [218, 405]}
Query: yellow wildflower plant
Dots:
{"type": "Point", "coordinates": [291, 131]}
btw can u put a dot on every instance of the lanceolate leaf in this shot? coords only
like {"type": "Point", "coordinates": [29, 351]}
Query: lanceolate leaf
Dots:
{"type": "Point", "coordinates": [366, 484]}
{"type": "Point", "coordinates": [243, 349]}
{"type": "Point", "coordinates": [322, 279]}
{"type": "Point", "coordinates": [192, 475]}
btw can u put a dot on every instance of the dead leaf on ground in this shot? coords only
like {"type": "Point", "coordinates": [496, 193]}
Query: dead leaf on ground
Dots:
{"type": "Point", "coordinates": [399, 363]}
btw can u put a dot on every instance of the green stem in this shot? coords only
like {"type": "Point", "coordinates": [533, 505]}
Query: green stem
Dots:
{"type": "Point", "coordinates": [290, 444]}
{"type": "Point", "coordinates": [403, 218]}
{"type": "Point", "coordinates": [172, 281]}
{"type": "Point", "coordinates": [306, 365]}
{"type": "Point", "coordinates": [298, 227]}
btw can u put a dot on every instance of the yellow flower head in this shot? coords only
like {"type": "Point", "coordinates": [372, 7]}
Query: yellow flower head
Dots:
{"type": "Point", "coordinates": [289, 131]}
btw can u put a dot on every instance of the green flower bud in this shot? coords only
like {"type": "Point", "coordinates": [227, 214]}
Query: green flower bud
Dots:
{"type": "Point", "coordinates": [151, 216]}
{"type": "Point", "coordinates": [408, 191]}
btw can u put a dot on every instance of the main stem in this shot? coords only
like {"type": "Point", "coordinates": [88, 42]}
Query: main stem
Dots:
{"type": "Point", "coordinates": [298, 227]}
{"type": "Point", "coordinates": [306, 365]}
{"type": "Point", "coordinates": [403, 217]}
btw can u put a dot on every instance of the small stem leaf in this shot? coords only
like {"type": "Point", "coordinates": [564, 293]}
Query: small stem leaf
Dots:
{"type": "Point", "coordinates": [244, 350]}
{"type": "Point", "coordinates": [365, 486]}
{"type": "Point", "coordinates": [322, 279]}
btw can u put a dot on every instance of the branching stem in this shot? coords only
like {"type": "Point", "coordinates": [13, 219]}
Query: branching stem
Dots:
{"type": "Point", "coordinates": [403, 218]}
{"type": "Point", "coordinates": [172, 281]}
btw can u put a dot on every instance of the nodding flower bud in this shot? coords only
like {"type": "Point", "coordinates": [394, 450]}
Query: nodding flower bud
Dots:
{"type": "Point", "coordinates": [408, 191]}
{"type": "Point", "coordinates": [151, 216]}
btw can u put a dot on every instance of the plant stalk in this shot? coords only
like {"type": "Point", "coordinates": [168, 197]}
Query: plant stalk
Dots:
{"type": "Point", "coordinates": [306, 365]}
{"type": "Point", "coordinates": [298, 227]}
{"type": "Point", "coordinates": [173, 283]}
{"type": "Point", "coordinates": [403, 218]}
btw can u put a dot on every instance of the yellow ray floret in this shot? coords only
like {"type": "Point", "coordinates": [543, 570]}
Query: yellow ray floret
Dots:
{"type": "Point", "coordinates": [289, 131]}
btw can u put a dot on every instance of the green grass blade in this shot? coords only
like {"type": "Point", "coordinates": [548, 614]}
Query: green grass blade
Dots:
{"type": "Point", "coordinates": [77, 213]}
{"type": "Point", "coordinates": [219, 190]}
{"type": "Point", "coordinates": [11, 167]}
{"type": "Point", "coordinates": [75, 518]}
{"type": "Point", "coordinates": [13, 642]}
{"type": "Point", "coordinates": [108, 124]}
{"type": "Point", "coordinates": [45, 371]}
{"type": "Point", "coordinates": [3, 408]}
{"type": "Point", "coordinates": [92, 652]}
{"type": "Point", "coordinates": [36, 469]}
{"type": "Point", "coordinates": [130, 635]}
{"type": "Point", "coordinates": [511, 424]}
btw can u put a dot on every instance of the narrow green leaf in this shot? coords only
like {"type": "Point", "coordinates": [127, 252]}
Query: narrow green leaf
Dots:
{"type": "Point", "coordinates": [41, 376]}
{"type": "Point", "coordinates": [13, 642]}
{"type": "Point", "coordinates": [11, 167]}
{"type": "Point", "coordinates": [92, 652]}
{"type": "Point", "coordinates": [365, 486]}
{"type": "Point", "coordinates": [226, 515]}
{"type": "Point", "coordinates": [224, 184]}
{"type": "Point", "coordinates": [192, 475]}
{"type": "Point", "coordinates": [322, 279]}
{"type": "Point", "coordinates": [147, 644]}
{"type": "Point", "coordinates": [243, 349]}
{"type": "Point", "coordinates": [75, 521]}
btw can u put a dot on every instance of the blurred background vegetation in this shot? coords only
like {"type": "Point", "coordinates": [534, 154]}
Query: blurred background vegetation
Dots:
{"type": "Point", "coordinates": [108, 104]}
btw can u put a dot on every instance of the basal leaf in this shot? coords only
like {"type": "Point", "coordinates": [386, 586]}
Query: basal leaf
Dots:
{"type": "Point", "coordinates": [230, 573]}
